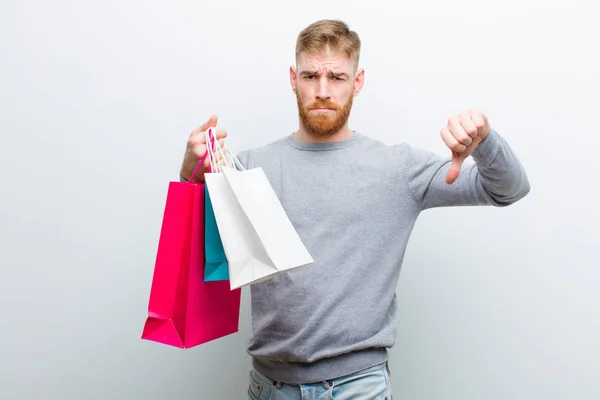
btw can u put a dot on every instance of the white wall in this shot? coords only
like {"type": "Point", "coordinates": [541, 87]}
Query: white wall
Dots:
{"type": "Point", "coordinates": [97, 100]}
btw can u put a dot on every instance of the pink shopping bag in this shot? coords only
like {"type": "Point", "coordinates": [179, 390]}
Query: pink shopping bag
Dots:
{"type": "Point", "coordinates": [184, 310]}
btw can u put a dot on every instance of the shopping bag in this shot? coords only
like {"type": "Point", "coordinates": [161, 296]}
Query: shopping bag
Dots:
{"type": "Point", "coordinates": [184, 310]}
{"type": "Point", "coordinates": [258, 238]}
{"type": "Point", "coordinates": [216, 268]}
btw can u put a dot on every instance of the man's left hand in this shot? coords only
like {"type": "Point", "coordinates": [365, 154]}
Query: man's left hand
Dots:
{"type": "Point", "coordinates": [462, 135]}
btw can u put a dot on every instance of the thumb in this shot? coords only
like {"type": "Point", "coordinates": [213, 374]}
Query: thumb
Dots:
{"type": "Point", "coordinates": [211, 123]}
{"type": "Point", "coordinates": [455, 167]}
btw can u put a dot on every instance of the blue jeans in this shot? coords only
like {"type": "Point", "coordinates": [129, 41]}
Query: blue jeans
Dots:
{"type": "Point", "coordinates": [369, 384]}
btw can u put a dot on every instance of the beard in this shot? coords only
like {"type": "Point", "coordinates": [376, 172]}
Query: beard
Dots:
{"type": "Point", "coordinates": [324, 124]}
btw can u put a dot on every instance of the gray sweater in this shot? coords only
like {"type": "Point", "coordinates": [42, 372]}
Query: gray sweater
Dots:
{"type": "Point", "coordinates": [354, 204]}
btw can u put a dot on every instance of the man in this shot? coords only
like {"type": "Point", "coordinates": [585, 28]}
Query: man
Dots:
{"type": "Point", "coordinates": [321, 331]}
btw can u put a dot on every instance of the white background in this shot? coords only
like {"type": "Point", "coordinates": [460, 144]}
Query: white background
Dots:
{"type": "Point", "coordinates": [97, 100]}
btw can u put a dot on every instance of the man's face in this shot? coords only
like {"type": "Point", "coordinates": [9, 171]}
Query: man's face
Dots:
{"type": "Point", "coordinates": [325, 84]}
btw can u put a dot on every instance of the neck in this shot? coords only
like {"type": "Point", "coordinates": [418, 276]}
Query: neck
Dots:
{"type": "Point", "coordinates": [303, 135]}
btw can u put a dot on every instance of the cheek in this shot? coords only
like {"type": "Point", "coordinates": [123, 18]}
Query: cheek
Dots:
{"type": "Point", "coordinates": [305, 93]}
{"type": "Point", "coordinates": [344, 96]}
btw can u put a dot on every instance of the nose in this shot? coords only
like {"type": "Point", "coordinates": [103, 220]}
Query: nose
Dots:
{"type": "Point", "coordinates": [323, 90]}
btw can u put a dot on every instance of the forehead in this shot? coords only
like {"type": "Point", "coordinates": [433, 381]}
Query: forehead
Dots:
{"type": "Point", "coordinates": [318, 60]}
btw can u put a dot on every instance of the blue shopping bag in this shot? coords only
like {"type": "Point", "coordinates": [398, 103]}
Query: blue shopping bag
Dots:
{"type": "Point", "coordinates": [215, 267]}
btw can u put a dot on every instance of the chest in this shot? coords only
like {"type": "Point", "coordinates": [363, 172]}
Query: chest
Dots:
{"type": "Point", "coordinates": [339, 194]}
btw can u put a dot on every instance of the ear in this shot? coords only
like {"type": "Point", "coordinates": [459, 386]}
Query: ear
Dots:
{"type": "Point", "coordinates": [359, 81]}
{"type": "Point", "coordinates": [293, 81]}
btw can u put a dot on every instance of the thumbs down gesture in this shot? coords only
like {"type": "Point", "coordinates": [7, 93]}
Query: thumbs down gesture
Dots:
{"type": "Point", "coordinates": [462, 135]}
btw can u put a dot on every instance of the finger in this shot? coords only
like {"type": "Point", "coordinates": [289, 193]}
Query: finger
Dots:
{"type": "Point", "coordinates": [458, 132]}
{"type": "Point", "coordinates": [219, 160]}
{"type": "Point", "coordinates": [201, 149]}
{"type": "Point", "coordinates": [221, 134]}
{"type": "Point", "coordinates": [213, 145]}
{"type": "Point", "coordinates": [451, 142]}
{"type": "Point", "coordinates": [196, 141]}
{"type": "Point", "coordinates": [211, 123]}
{"type": "Point", "coordinates": [483, 127]}
{"type": "Point", "coordinates": [200, 136]}
{"type": "Point", "coordinates": [216, 133]}
{"type": "Point", "coordinates": [454, 170]}
{"type": "Point", "coordinates": [468, 126]}
{"type": "Point", "coordinates": [478, 120]}
{"type": "Point", "coordinates": [222, 159]}
{"type": "Point", "coordinates": [199, 153]}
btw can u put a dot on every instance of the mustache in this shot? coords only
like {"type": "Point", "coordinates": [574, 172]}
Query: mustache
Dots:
{"type": "Point", "coordinates": [323, 104]}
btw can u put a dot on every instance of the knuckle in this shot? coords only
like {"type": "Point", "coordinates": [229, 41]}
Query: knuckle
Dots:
{"type": "Point", "coordinates": [457, 147]}
{"type": "Point", "coordinates": [192, 141]}
{"type": "Point", "coordinates": [197, 139]}
{"type": "Point", "coordinates": [198, 154]}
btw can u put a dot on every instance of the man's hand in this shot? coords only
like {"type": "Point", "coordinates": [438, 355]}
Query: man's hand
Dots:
{"type": "Point", "coordinates": [196, 148]}
{"type": "Point", "coordinates": [462, 135]}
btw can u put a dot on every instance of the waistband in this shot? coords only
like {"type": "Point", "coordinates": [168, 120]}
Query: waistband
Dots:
{"type": "Point", "coordinates": [264, 380]}
{"type": "Point", "coordinates": [295, 373]}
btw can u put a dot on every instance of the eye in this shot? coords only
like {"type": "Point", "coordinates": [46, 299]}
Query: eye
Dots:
{"type": "Point", "coordinates": [309, 77]}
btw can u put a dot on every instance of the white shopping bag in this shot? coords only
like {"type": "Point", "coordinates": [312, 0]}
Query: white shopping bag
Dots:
{"type": "Point", "coordinates": [258, 238]}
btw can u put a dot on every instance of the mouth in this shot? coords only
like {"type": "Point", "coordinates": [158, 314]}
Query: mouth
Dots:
{"type": "Point", "coordinates": [322, 109]}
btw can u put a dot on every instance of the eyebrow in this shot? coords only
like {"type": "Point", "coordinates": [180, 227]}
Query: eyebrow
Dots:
{"type": "Point", "coordinates": [336, 74]}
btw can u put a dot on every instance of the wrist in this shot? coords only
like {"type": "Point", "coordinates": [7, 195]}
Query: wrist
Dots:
{"type": "Point", "coordinates": [486, 146]}
{"type": "Point", "coordinates": [185, 174]}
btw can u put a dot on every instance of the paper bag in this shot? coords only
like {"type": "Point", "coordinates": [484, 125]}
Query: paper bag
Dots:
{"type": "Point", "coordinates": [216, 268]}
{"type": "Point", "coordinates": [183, 310]}
{"type": "Point", "coordinates": [258, 238]}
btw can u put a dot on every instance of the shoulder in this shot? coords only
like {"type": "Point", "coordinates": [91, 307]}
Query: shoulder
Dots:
{"type": "Point", "coordinates": [258, 155]}
{"type": "Point", "coordinates": [400, 152]}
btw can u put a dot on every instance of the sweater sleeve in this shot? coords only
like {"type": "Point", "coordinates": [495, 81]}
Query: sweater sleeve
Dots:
{"type": "Point", "coordinates": [496, 177]}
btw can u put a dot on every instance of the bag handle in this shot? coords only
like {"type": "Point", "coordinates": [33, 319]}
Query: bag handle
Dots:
{"type": "Point", "coordinates": [213, 151]}
{"type": "Point", "coordinates": [228, 158]}
{"type": "Point", "coordinates": [234, 159]}
{"type": "Point", "coordinates": [206, 154]}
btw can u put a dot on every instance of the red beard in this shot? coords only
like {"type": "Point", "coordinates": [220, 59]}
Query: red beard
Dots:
{"type": "Point", "coordinates": [324, 124]}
